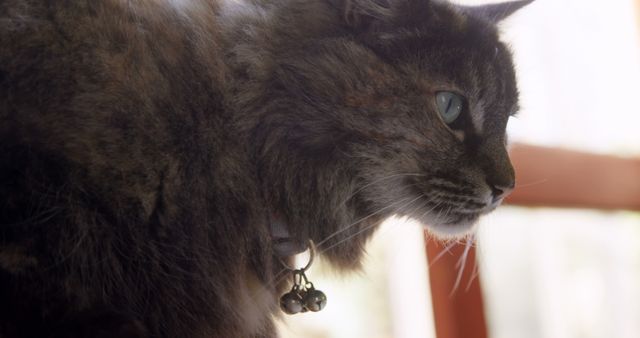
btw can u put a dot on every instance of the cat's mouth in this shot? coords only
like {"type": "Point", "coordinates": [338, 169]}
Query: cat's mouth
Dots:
{"type": "Point", "coordinates": [450, 216]}
{"type": "Point", "coordinates": [451, 224]}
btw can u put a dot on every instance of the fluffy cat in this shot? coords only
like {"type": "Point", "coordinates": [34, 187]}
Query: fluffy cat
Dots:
{"type": "Point", "coordinates": [145, 147]}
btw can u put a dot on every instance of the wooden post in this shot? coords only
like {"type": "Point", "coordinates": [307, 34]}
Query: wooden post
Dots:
{"type": "Point", "coordinates": [459, 313]}
{"type": "Point", "coordinates": [564, 178]}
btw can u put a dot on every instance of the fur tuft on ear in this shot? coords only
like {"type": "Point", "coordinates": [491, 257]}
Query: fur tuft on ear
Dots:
{"type": "Point", "coordinates": [495, 12]}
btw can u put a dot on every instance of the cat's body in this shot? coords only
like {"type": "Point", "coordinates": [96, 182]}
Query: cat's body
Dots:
{"type": "Point", "coordinates": [146, 145]}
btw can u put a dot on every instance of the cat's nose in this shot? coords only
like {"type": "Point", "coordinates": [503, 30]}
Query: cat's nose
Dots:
{"type": "Point", "coordinates": [499, 192]}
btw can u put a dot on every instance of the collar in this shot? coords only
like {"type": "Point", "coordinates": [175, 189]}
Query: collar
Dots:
{"type": "Point", "coordinates": [283, 244]}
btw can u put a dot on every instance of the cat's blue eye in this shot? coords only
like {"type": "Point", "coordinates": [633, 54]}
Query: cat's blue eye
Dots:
{"type": "Point", "coordinates": [449, 106]}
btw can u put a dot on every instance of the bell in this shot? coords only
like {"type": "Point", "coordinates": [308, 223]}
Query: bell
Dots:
{"type": "Point", "coordinates": [291, 303]}
{"type": "Point", "coordinates": [315, 300]}
{"type": "Point", "coordinates": [302, 295]}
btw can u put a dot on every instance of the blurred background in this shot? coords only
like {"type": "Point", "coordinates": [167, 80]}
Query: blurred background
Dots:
{"type": "Point", "coordinates": [559, 261]}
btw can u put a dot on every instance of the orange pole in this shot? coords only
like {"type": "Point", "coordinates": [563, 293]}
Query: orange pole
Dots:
{"type": "Point", "coordinates": [459, 313]}
{"type": "Point", "coordinates": [564, 178]}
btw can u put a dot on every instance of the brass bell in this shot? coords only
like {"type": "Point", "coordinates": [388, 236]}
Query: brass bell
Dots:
{"type": "Point", "coordinates": [291, 303]}
{"type": "Point", "coordinates": [303, 296]}
{"type": "Point", "coordinates": [315, 300]}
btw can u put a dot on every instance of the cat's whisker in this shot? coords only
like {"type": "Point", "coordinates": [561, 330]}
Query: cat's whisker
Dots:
{"type": "Point", "coordinates": [525, 185]}
{"type": "Point", "coordinates": [363, 229]}
{"type": "Point", "coordinates": [443, 215]}
{"type": "Point", "coordinates": [432, 208]}
{"type": "Point", "coordinates": [474, 275]}
{"type": "Point", "coordinates": [444, 251]}
{"type": "Point", "coordinates": [424, 214]}
{"type": "Point", "coordinates": [460, 265]}
{"type": "Point", "coordinates": [424, 204]}
{"type": "Point", "coordinates": [378, 181]}
{"type": "Point", "coordinates": [416, 208]}
{"type": "Point", "coordinates": [319, 244]}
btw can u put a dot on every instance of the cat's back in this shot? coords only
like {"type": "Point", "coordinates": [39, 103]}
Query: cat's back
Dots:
{"type": "Point", "coordinates": [69, 50]}
{"type": "Point", "coordinates": [109, 84]}
{"type": "Point", "coordinates": [105, 108]}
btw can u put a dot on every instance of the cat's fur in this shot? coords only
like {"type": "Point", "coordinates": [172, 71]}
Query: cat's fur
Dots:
{"type": "Point", "coordinates": [145, 146]}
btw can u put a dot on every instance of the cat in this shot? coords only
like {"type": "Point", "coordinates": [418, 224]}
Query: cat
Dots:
{"type": "Point", "coordinates": [147, 148]}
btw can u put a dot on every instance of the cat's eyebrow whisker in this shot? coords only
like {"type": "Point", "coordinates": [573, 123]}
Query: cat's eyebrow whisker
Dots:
{"type": "Point", "coordinates": [377, 181]}
{"type": "Point", "coordinates": [363, 229]}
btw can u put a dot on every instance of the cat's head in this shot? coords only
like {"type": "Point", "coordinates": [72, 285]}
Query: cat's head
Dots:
{"type": "Point", "coordinates": [408, 99]}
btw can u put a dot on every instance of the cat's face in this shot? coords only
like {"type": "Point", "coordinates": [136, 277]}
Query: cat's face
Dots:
{"type": "Point", "coordinates": [415, 102]}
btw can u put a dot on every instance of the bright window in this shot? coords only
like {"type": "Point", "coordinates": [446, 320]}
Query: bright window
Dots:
{"type": "Point", "coordinates": [569, 273]}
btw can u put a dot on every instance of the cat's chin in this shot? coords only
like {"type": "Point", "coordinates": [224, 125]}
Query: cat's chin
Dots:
{"type": "Point", "coordinates": [456, 224]}
{"type": "Point", "coordinates": [450, 230]}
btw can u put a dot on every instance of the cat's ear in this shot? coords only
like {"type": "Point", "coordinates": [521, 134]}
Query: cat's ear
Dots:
{"type": "Point", "coordinates": [495, 12]}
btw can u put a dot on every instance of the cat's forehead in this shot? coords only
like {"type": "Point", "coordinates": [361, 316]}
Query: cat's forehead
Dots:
{"type": "Point", "coordinates": [469, 62]}
{"type": "Point", "coordinates": [459, 53]}
{"type": "Point", "coordinates": [440, 29]}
